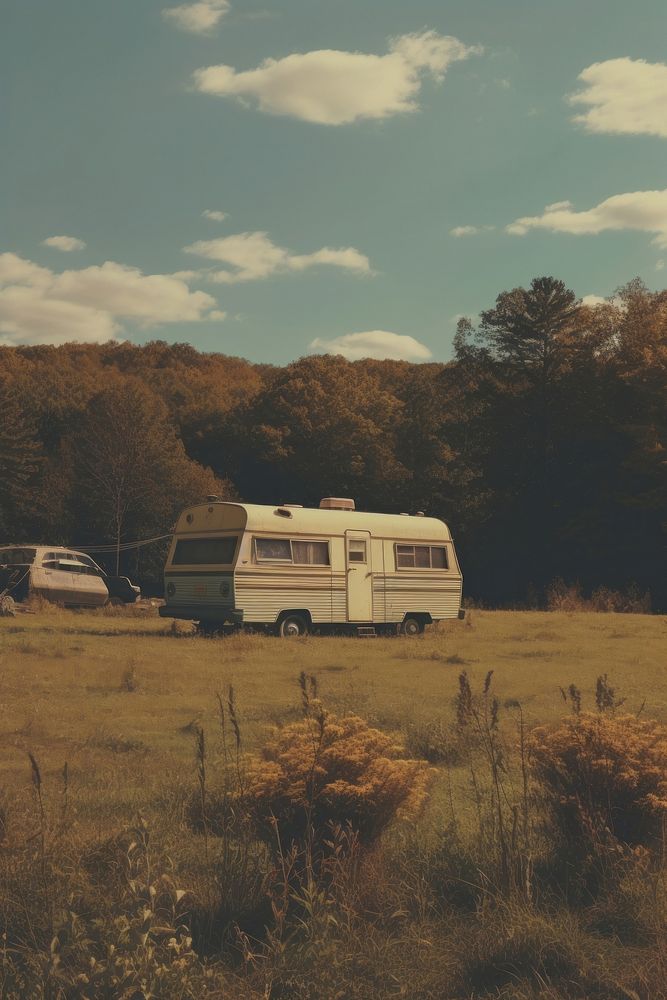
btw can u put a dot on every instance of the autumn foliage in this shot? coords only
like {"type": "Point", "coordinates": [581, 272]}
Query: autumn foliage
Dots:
{"type": "Point", "coordinates": [606, 776]}
{"type": "Point", "coordinates": [332, 770]}
{"type": "Point", "coordinates": [547, 428]}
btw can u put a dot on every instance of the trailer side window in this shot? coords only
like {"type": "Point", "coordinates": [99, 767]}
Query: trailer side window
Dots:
{"type": "Point", "coordinates": [421, 557]}
{"type": "Point", "coordinates": [311, 553]}
{"type": "Point", "coordinates": [205, 551]}
{"type": "Point", "coordinates": [273, 548]}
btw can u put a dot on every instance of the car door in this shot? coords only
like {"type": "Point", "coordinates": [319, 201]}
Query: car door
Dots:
{"type": "Point", "coordinates": [88, 587]}
{"type": "Point", "coordinates": [56, 584]}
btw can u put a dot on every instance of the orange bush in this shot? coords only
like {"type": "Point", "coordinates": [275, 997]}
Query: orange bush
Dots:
{"type": "Point", "coordinates": [332, 770]}
{"type": "Point", "coordinates": [606, 775]}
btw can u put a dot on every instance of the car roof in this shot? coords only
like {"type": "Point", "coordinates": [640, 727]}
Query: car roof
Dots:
{"type": "Point", "coordinates": [41, 549]}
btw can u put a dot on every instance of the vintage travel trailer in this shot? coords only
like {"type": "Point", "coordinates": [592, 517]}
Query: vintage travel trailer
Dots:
{"type": "Point", "coordinates": [63, 576]}
{"type": "Point", "coordinates": [291, 568]}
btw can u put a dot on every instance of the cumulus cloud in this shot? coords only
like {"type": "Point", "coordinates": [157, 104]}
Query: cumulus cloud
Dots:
{"type": "Point", "coordinates": [38, 305]}
{"type": "Point", "coordinates": [198, 18]}
{"type": "Point", "coordinates": [377, 344]}
{"type": "Point", "coordinates": [459, 231]}
{"type": "Point", "coordinates": [254, 255]}
{"type": "Point", "coordinates": [65, 243]}
{"type": "Point", "coordinates": [334, 88]}
{"type": "Point", "coordinates": [623, 96]}
{"type": "Point", "coordinates": [593, 300]}
{"type": "Point", "coordinates": [214, 215]}
{"type": "Point", "coordinates": [645, 211]}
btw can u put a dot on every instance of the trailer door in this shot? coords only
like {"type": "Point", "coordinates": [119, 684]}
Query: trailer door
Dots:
{"type": "Point", "coordinates": [359, 576]}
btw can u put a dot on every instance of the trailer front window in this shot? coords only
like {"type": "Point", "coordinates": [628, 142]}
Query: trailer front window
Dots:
{"type": "Point", "coordinates": [205, 551]}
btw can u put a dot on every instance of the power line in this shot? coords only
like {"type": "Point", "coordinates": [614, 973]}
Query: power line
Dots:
{"type": "Point", "coordinates": [123, 547]}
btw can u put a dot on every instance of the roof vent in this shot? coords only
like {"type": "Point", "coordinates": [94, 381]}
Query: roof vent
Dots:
{"type": "Point", "coordinates": [336, 503]}
{"type": "Point", "coordinates": [296, 506]}
{"type": "Point", "coordinates": [213, 498]}
{"type": "Point", "coordinates": [420, 513]}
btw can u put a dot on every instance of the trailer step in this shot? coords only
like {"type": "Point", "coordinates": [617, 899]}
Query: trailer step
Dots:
{"type": "Point", "coordinates": [366, 632]}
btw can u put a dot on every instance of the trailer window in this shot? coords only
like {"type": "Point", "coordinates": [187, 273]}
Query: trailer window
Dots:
{"type": "Point", "coordinates": [311, 553]}
{"type": "Point", "coordinates": [421, 557]}
{"type": "Point", "coordinates": [356, 551]}
{"type": "Point", "coordinates": [301, 553]}
{"type": "Point", "coordinates": [273, 548]}
{"type": "Point", "coordinates": [205, 551]}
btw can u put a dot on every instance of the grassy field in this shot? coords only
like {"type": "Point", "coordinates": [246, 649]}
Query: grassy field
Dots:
{"type": "Point", "coordinates": [119, 697]}
{"type": "Point", "coordinates": [65, 678]}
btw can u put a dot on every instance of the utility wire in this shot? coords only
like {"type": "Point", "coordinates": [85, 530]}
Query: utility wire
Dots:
{"type": "Point", "coordinates": [123, 547]}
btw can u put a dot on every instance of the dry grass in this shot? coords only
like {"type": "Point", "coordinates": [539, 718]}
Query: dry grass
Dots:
{"type": "Point", "coordinates": [122, 700]}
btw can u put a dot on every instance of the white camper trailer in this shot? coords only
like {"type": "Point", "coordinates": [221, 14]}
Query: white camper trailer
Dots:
{"type": "Point", "coordinates": [292, 568]}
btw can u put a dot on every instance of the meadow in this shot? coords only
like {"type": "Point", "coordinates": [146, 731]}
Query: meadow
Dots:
{"type": "Point", "coordinates": [113, 746]}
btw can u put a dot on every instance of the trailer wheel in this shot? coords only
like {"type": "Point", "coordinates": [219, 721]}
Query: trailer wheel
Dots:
{"type": "Point", "coordinates": [209, 630]}
{"type": "Point", "coordinates": [412, 627]}
{"type": "Point", "coordinates": [292, 626]}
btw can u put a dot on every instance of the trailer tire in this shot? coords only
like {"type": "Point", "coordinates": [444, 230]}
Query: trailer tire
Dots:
{"type": "Point", "coordinates": [292, 626]}
{"type": "Point", "coordinates": [209, 630]}
{"type": "Point", "coordinates": [412, 627]}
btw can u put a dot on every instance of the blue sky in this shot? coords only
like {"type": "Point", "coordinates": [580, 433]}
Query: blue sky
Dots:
{"type": "Point", "coordinates": [367, 173]}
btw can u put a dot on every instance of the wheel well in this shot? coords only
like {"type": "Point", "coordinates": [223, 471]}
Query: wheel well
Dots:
{"type": "Point", "coordinates": [422, 616]}
{"type": "Point", "coordinates": [295, 611]}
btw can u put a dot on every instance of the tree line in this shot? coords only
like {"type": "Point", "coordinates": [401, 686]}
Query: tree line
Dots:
{"type": "Point", "coordinates": [542, 443]}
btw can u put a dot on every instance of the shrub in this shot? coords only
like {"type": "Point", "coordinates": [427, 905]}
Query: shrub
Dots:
{"type": "Point", "coordinates": [604, 775]}
{"type": "Point", "coordinates": [631, 602]}
{"type": "Point", "coordinates": [327, 770]}
{"type": "Point", "coordinates": [562, 596]}
{"type": "Point", "coordinates": [565, 597]}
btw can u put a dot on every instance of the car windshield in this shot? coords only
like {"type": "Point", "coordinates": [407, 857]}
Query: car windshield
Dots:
{"type": "Point", "coordinates": [17, 557]}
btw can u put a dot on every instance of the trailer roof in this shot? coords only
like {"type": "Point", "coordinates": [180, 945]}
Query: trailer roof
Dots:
{"type": "Point", "coordinates": [286, 519]}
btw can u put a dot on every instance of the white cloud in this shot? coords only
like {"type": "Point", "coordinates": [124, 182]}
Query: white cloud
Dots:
{"type": "Point", "coordinates": [623, 96]}
{"type": "Point", "coordinates": [333, 87]}
{"type": "Point", "coordinates": [197, 17]}
{"type": "Point", "coordinates": [593, 300]}
{"type": "Point", "coordinates": [214, 215]}
{"type": "Point", "coordinates": [377, 344]}
{"type": "Point", "coordinates": [459, 231]}
{"type": "Point", "coordinates": [38, 305]}
{"type": "Point", "coordinates": [253, 255]}
{"type": "Point", "coordinates": [65, 243]}
{"type": "Point", "coordinates": [645, 211]}
{"type": "Point", "coordinates": [659, 265]}
{"type": "Point", "coordinates": [558, 206]}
